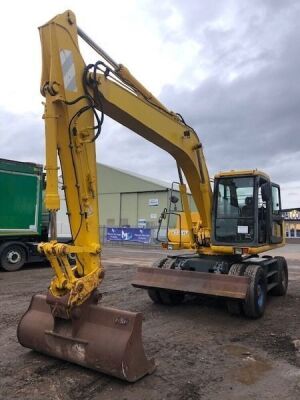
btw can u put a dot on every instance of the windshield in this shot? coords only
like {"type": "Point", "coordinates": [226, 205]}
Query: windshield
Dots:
{"type": "Point", "coordinates": [235, 210]}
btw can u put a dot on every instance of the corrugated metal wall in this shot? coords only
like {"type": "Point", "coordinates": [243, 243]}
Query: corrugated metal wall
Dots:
{"type": "Point", "coordinates": [119, 209]}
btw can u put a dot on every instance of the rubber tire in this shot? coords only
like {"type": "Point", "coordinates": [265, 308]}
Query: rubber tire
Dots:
{"type": "Point", "coordinates": [234, 307]}
{"type": "Point", "coordinates": [153, 293]}
{"type": "Point", "coordinates": [159, 263]}
{"type": "Point", "coordinates": [5, 264]}
{"type": "Point", "coordinates": [154, 296]}
{"type": "Point", "coordinates": [282, 277]}
{"type": "Point", "coordinates": [257, 277]}
{"type": "Point", "coordinates": [164, 296]}
{"type": "Point", "coordinates": [171, 297]}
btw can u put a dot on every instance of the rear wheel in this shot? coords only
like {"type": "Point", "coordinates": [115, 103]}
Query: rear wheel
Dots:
{"type": "Point", "coordinates": [234, 307]}
{"type": "Point", "coordinates": [282, 277]}
{"type": "Point", "coordinates": [170, 297]}
{"type": "Point", "coordinates": [154, 296]}
{"type": "Point", "coordinates": [255, 302]}
{"type": "Point", "coordinates": [12, 257]}
{"type": "Point", "coordinates": [165, 296]}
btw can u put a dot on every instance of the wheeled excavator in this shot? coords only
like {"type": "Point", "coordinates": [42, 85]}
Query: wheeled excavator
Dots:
{"type": "Point", "coordinates": [233, 224]}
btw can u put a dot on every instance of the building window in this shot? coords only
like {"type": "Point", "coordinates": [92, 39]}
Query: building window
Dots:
{"type": "Point", "coordinates": [298, 232]}
{"type": "Point", "coordinates": [292, 232]}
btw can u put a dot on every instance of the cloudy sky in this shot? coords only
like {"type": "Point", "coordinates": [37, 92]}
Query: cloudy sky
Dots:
{"type": "Point", "coordinates": [230, 67]}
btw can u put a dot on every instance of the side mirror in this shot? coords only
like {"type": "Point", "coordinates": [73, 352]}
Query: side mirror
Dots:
{"type": "Point", "coordinates": [266, 191]}
{"type": "Point", "coordinates": [174, 199]}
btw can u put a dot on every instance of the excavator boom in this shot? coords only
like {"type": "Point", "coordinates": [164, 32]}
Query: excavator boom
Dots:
{"type": "Point", "coordinates": [66, 322]}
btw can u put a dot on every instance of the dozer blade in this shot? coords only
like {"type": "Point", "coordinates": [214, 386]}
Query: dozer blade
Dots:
{"type": "Point", "coordinates": [104, 339]}
{"type": "Point", "coordinates": [192, 282]}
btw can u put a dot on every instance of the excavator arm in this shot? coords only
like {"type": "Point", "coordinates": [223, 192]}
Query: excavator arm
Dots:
{"type": "Point", "coordinates": [73, 92]}
{"type": "Point", "coordinates": [66, 322]}
{"type": "Point", "coordinates": [70, 131]}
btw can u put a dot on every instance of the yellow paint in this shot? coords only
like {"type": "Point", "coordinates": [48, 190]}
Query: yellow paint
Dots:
{"type": "Point", "coordinates": [77, 161]}
{"type": "Point", "coordinates": [248, 172]}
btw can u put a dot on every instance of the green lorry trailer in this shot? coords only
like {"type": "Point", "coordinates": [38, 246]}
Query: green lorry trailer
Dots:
{"type": "Point", "coordinates": [22, 221]}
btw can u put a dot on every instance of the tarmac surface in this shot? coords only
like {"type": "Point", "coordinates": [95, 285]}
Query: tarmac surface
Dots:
{"type": "Point", "coordinates": [202, 352]}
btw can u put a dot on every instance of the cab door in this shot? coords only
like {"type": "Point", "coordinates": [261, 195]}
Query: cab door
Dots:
{"type": "Point", "coordinates": [276, 217]}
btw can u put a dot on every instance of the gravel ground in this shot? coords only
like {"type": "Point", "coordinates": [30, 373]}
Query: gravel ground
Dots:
{"type": "Point", "coordinates": [202, 352]}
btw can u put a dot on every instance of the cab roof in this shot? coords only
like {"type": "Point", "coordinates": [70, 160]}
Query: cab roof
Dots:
{"type": "Point", "coordinates": [238, 173]}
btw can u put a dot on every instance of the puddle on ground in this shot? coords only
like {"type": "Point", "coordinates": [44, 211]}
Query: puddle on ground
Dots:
{"type": "Point", "coordinates": [250, 368]}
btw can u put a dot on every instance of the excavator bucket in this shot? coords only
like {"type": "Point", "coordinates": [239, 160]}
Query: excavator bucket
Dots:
{"type": "Point", "coordinates": [192, 282]}
{"type": "Point", "coordinates": [101, 338]}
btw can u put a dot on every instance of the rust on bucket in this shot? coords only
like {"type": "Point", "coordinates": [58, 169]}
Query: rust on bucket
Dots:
{"type": "Point", "coordinates": [105, 339]}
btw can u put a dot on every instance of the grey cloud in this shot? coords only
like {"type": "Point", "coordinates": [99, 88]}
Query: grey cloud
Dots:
{"type": "Point", "coordinates": [252, 120]}
{"type": "Point", "coordinates": [246, 109]}
{"type": "Point", "coordinates": [22, 139]}
{"type": "Point", "coordinates": [21, 136]}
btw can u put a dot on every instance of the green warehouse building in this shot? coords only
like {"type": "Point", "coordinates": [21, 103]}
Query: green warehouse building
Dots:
{"type": "Point", "coordinates": [125, 199]}
{"type": "Point", "coordinates": [130, 199]}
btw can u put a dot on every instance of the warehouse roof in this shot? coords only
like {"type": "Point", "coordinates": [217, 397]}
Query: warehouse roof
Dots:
{"type": "Point", "coordinates": [140, 176]}
{"type": "Point", "coordinates": [113, 180]}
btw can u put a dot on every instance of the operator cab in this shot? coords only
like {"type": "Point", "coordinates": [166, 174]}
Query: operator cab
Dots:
{"type": "Point", "coordinates": [247, 210]}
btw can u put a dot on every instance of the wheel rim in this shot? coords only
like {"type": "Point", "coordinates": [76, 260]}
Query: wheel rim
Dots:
{"type": "Point", "coordinates": [13, 257]}
{"type": "Point", "coordinates": [260, 295]}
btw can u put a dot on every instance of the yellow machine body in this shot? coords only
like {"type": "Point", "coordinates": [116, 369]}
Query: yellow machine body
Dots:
{"type": "Point", "coordinates": [67, 323]}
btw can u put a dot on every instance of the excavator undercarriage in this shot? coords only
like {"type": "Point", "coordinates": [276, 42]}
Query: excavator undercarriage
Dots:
{"type": "Point", "coordinates": [242, 283]}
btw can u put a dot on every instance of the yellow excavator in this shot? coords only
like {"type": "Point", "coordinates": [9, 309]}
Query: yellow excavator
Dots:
{"type": "Point", "coordinates": [228, 231]}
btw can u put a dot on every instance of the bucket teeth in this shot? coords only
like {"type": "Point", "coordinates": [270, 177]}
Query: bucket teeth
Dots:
{"type": "Point", "coordinates": [105, 339]}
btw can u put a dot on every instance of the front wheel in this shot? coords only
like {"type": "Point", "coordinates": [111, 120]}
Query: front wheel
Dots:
{"type": "Point", "coordinates": [154, 295]}
{"type": "Point", "coordinates": [255, 301]}
{"type": "Point", "coordinates": [171, 297]}
{"type": "Point", "coordinates": [12, 257]}
{"type": "Point", "coordinates": [234, 306]}
{"type": "Point", "coordinates": [166, 297]}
